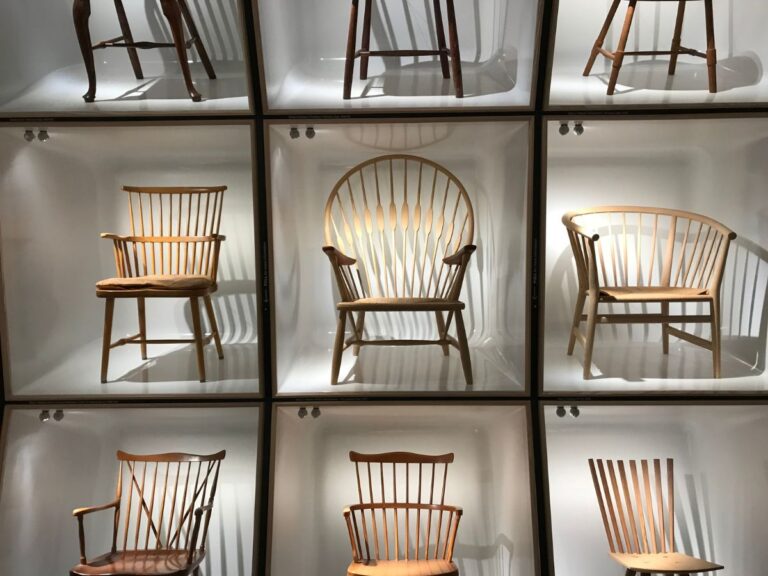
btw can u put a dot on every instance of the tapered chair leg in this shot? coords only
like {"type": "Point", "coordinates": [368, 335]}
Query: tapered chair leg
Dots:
{"type": "Point", "coordinates": [601, 37]}
{"type": "Point", "coordinates": [338, 347]}
{"type": "Point", "coordinates": [349, 65]}
{"type": "Point", "coordinates": [665, 328]}
{"type": "Point", "coordinates": [589, 342]}
{"type": "Point", "coordinates": [359, 331]}
{"type": "Point", "coordinates": [677, 37]}
{"type": "Point", "coordinates": [578, 311]}
{"type": "Point", "coordinates": [214, 326]}
{"type": "Point", "coordinates": [461, 336]}
{"type": "Point", "coordinates": [366, 43]}
{"type": "Point", "coordinates": [618, 55]}
{"type": "Point", "coordinates": [198, 40]}
{"type": "Point", "coordinates": [106, 340]}
{"type": "Point", "coordinates": [711, 51]}
{"type": "Point", "coordinates": [441, 44]}
{"type": "Point", "coordinates": [197, 326]}
{"type": "Point", "coordinates": [81, 12]}
{"type": "Point", "coordinates": [442, 332]}
{"type": "Point", "coordinates": [142, 327]}
{"type": "Point", "coordinates": [715, 310]}
{"type": "Point", "coordinates": [453, 35]}
{"type": "Point", "coordinates": [172, 13]}
{"type": "Point", "coordinates": [125, 27]}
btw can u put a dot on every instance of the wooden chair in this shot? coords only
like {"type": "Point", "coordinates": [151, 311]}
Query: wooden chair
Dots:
{"type": "Point", "coordinates": [641, 540]}
{"type": "Point", "coordinates": [617, 56]}
{"type": "Point", "coordinates": [647, 255]}
{"type": "Point", "coordinates": [365, 52]}
{"type": "Point", "coordinates": [167, 512]}
{"type": "Point", "coordinates": [398, 233]}
{"type": "Point", "coordinates": [172, 252]}
{"type": "Point", "coordinates": [174, 10]}
{"type": "Point", "coordinates": [414, 536]}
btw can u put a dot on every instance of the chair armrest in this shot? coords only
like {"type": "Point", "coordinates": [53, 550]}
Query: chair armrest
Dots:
{"type": "Point", "coordinates": [110, 236]}
{"type": "Point", "coordinates": [352, 533]}
{"type": "Point", "coordinates": [339, 256]}
{"type": "Point", "coordinates": [458, 258]}
{"type": "Point", "coordinates": [572, 226]}
{"type": "Point", "coordinates": [88, 509]}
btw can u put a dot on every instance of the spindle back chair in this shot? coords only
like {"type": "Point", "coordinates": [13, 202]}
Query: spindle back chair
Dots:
{"type": "Point", "coordinates": [162, 512]}
{"type": "Point", "coordinates": [172, 251]}
{"type": "Point", "coordinates": [411, 533]}
{"type": "Point", "coordinates": [639, 254]}
{"type": "Point", "coordinates": [398, 233]}
{"type": "Point", "coordinates": [637, 507]}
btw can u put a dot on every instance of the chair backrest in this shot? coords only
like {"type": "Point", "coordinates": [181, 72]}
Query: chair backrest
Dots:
{"type": "Point", "coordinates": [644, 246]}
{"type": "Point", "coordinates": [159, 494]}
{"type": "Point", "coordinates": [399, 216]}
{"type": "Point", "coordinates": [627, 500]}
{"type": "Point", "coordinates": [175, 231]}
{"type": "Point", "coordinates": [402, 506]}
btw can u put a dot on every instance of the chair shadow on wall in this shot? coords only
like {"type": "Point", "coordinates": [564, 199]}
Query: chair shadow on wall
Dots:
{"type": "Point", "coordinates": [693, 518]}
{"type": "Point", "coordinates": [398, 137]}
{"type": "Point", "coordinates": [223, 564]}
{"type": "Point", "coordinates": [472, 559]}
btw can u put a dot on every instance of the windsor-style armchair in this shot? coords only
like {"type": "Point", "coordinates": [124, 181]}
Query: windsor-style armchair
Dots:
{"type": "Point", "coordinates": [172, 252]}
{"type": "Point", "coordinates": [641, 540]}
{"type": "Point", "coordinates": [398, 233]}
{"type": "Point", "coordinates": [617, 56]}
{"type": "Point", "coordinates": [166, 510]}
{"type": "Point", "coordinates": [414, 536]}
{"type": "Point", "coordinates": [175, 11]}
{"type": "Point", "coordinates": [638, 254]}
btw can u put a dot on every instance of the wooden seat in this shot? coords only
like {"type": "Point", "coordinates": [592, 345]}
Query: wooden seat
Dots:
{"type": "Point", "coordinates": [160, 522]}
{"type": "Point", "coordinates": [637, 506]}
{"type": "Point", "coordinates": [617, 56]}
{"type": "Point", "coordinates": [628, 254]}
{"type": "Point", "coordinates": [400, 568]}
{"type": "Point", "coordinates": [175, 11]}
{"type": "Point", "coordinates": [398, 234]}
{"type": "Point", "coordinates": [172, 251]}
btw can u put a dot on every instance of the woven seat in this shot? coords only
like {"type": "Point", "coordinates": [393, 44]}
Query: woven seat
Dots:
{"type": "Point", "coordinates": [140, 563]}
{"type": "Point", "coordinates": [666, 563]}
{"type": "Point", "coordinates": [157, 282]}
{"type": "Point", "coordinates": [653, 294]}
{"type": "Point", "coordinates": [400, 568]}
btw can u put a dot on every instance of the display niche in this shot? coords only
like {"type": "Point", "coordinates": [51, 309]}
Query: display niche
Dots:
{"type": "Point", "coordinates": [59, 197]}
{"type": "Point", "coordinates": [51, 76]}
{"type": "Point", "coordinates": [304, 48]}
{"type": "Point", "coordinates": [674, 214]}
{"type": "Point", "coordinates": [320, 454]}
{"type": "Point", "coordinates": [645, 80]}
{"type": "Point", "coordinates": [57, 459]}
{"type": "Point", "coordinates": [397, 198]}
{"type": "Point", "coordinates": [715, 455]}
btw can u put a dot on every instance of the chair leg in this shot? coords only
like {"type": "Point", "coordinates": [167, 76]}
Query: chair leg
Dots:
{"type": "Point", "coordinates": [81, 12]}
{"type": "Point", "coordinates": [187, 15]}
{"type": "Point", "coordinates": [172, 13]}
{"type": "Point", "coordinates": [618, 55]}
{"type": "Point", "coordinates": [106, 339]}
{"type": "Point", "coordinates": [441, 44]}
{"type": "Point", "coordinates": [142, 327]}
{"type": "Point", "coordinates": [198, 334]}
{"type": "Point", "coordinates": [453, 35]}
{"type": "Point", "coordinates": [580, 299]}
{"type": "Point", "coordinates": [601, 37]}
{"type": "Point", "coordinates": [349, 65]}
{"type": "Point", "coordinates": [711, 52]}
{"type": "Point", "coordinates": [589, 342]}
{"type": "Point", "coordinates": [441, 330]}
{"type": "Point", "coordinates": [715, 311]}
{"type": "Point", "coordinates": [366, 45]}
{"type": "Point", "coordinates": [466, 362]}
{"type": "Point", "coordinates": [125, 27]}
{"type": "Point", "coordinates": [338, 347]}
{"type": "Point", "coordinates": [676, 38]}
{"type": "Point", "coordinates": [665, 328]}
{"type": "Point", "coordinates": [359, 328]}
{"type": "Point", "coordinates": [214, 326]}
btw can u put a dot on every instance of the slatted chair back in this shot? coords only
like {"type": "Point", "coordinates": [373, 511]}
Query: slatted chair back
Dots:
{"type": "Point", "coordinates": [637, 504]}
{"type": "Point", "coordinates": [402, 513]}
{"type": "Point", "coordinates": [647, 247]}
{"type": "Point", "coordinates": [399, 216]}
{"type": "Point", "coordinates": [173, 231]}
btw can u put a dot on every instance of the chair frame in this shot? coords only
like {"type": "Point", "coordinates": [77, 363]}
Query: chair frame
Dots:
{"type": "Point", "coordinates": [176, 12]}
{"type": "Point", "coordinates": [617, 56]}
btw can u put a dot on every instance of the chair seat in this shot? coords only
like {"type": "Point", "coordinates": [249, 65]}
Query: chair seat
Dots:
{"type": "Point", "coordinates": [140, 563]}
{"type": "Point", "coordinates": [669, 563]}
{"type": "Point", "coordinates": [157, 282]}
{"type": "Point", "coordinates": [397, 304]}
{"type": "Point", "coordinates": [653, 294]}
{"type": "Point", "coordinates": [403, 568]}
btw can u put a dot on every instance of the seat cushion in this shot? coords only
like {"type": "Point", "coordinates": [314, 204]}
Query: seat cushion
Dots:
{"type": "Point", "coordinates": [403, 568]}
{"type": "Point", "coordinates": [140, 563]}
{"type": "Point", "coordinates": [653, 294]}
{"type": "Point", "coordinates": [397, 304]}
{"type": "Point", "coordinates": [157, 282]}
{"type": "Point", "coordinates": [669, 563]}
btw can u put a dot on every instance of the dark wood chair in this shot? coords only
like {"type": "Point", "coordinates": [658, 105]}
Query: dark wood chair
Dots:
{"type": "Point", "coordinates": [365, 51]}
{"type": "Point", "coordinates": [166, 512]}
{"type": "Point", "coordinates": [175, 11]}
{"type": "Point", "coordinates": [617, 56]}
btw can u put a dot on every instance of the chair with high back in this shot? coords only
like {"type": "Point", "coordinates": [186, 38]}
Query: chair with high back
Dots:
{"type": "Point", "coordinates": [617, 56]}
{"type": "Point", "coordinates": [175, 11]}
{"type": "Point", "coordinates": [172, 252]}
{"type": "Point", "coordinates": [643, 255]}
{"type": "Point", "coordinates": [413, 536]}
{"type": "Point", "coordinates": [641, 540]}
{"type": "Point", "coordinates": [166, 510]}
{"type": "Point", "coordinates": [398, 233]}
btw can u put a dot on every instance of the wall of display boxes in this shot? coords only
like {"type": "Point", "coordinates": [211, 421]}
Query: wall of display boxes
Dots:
{"type": "Point", "coordinates": [383, 288]}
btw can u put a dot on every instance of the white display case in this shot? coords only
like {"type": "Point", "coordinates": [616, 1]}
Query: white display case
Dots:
{"type": "Point", "coordinates": [56, 197]}
{"type": "Point", "coordinates": [52, 467]}
{"type": "Point", "coordinates": [313, 480]}
{"type": "Point", "coordinates": [710, 166]}
{"type": "Point", "coordinates": [495, 172]}
{"type": "Point", "coordinates": [303, 47]}
{"type": "Point", "coordinates": [43, 71]}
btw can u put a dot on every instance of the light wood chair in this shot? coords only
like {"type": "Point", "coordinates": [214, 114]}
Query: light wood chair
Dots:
{"type": "Point", "coordinates": [650, 256]}
{"type": "Point", "coordinates": [166, 513]}
{"type": "Point", "coordinates": [365, 52]}
{"type": "Point", "coordinates": [412, 536]}
{"type": "Point", "coordinates": [176, 12]}
{"type": "Point", "coordinates": [617, 56]}
{"type": "Point", "coordinates": [172, 252]}
{"type": "Point", "coordinates": [398, 233]}
{"type": "Point", "coordinates": [641, 540]}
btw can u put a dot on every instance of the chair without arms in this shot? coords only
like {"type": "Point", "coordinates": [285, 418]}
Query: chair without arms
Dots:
{"type": "Point", "coordinates": [641, 539]}
{"type": "Point", "coordinates": [398, 233]}
{"type": "Point", "coordinates": [413, 536]}
{"type": "Point", "coordinates": [638, 254]}
{"type": "Point", "coordinates": [166, 512]}
{"type": "Point", "coordinates": [172, 252]}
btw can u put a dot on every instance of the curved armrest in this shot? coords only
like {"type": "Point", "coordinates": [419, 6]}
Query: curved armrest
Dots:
{"type": "Point", "coordinates": [110, 236]}
{"type": "Point", "coordinates": [573, 227]}
{"type": "Point", "coordinates": [87, 510]}
{"type": "Point", "coordinates": [458, 258]}
{"type": "Point", "coordinates": [337, 255]}
{"type": "Point", "coordinates": [79, 513]}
